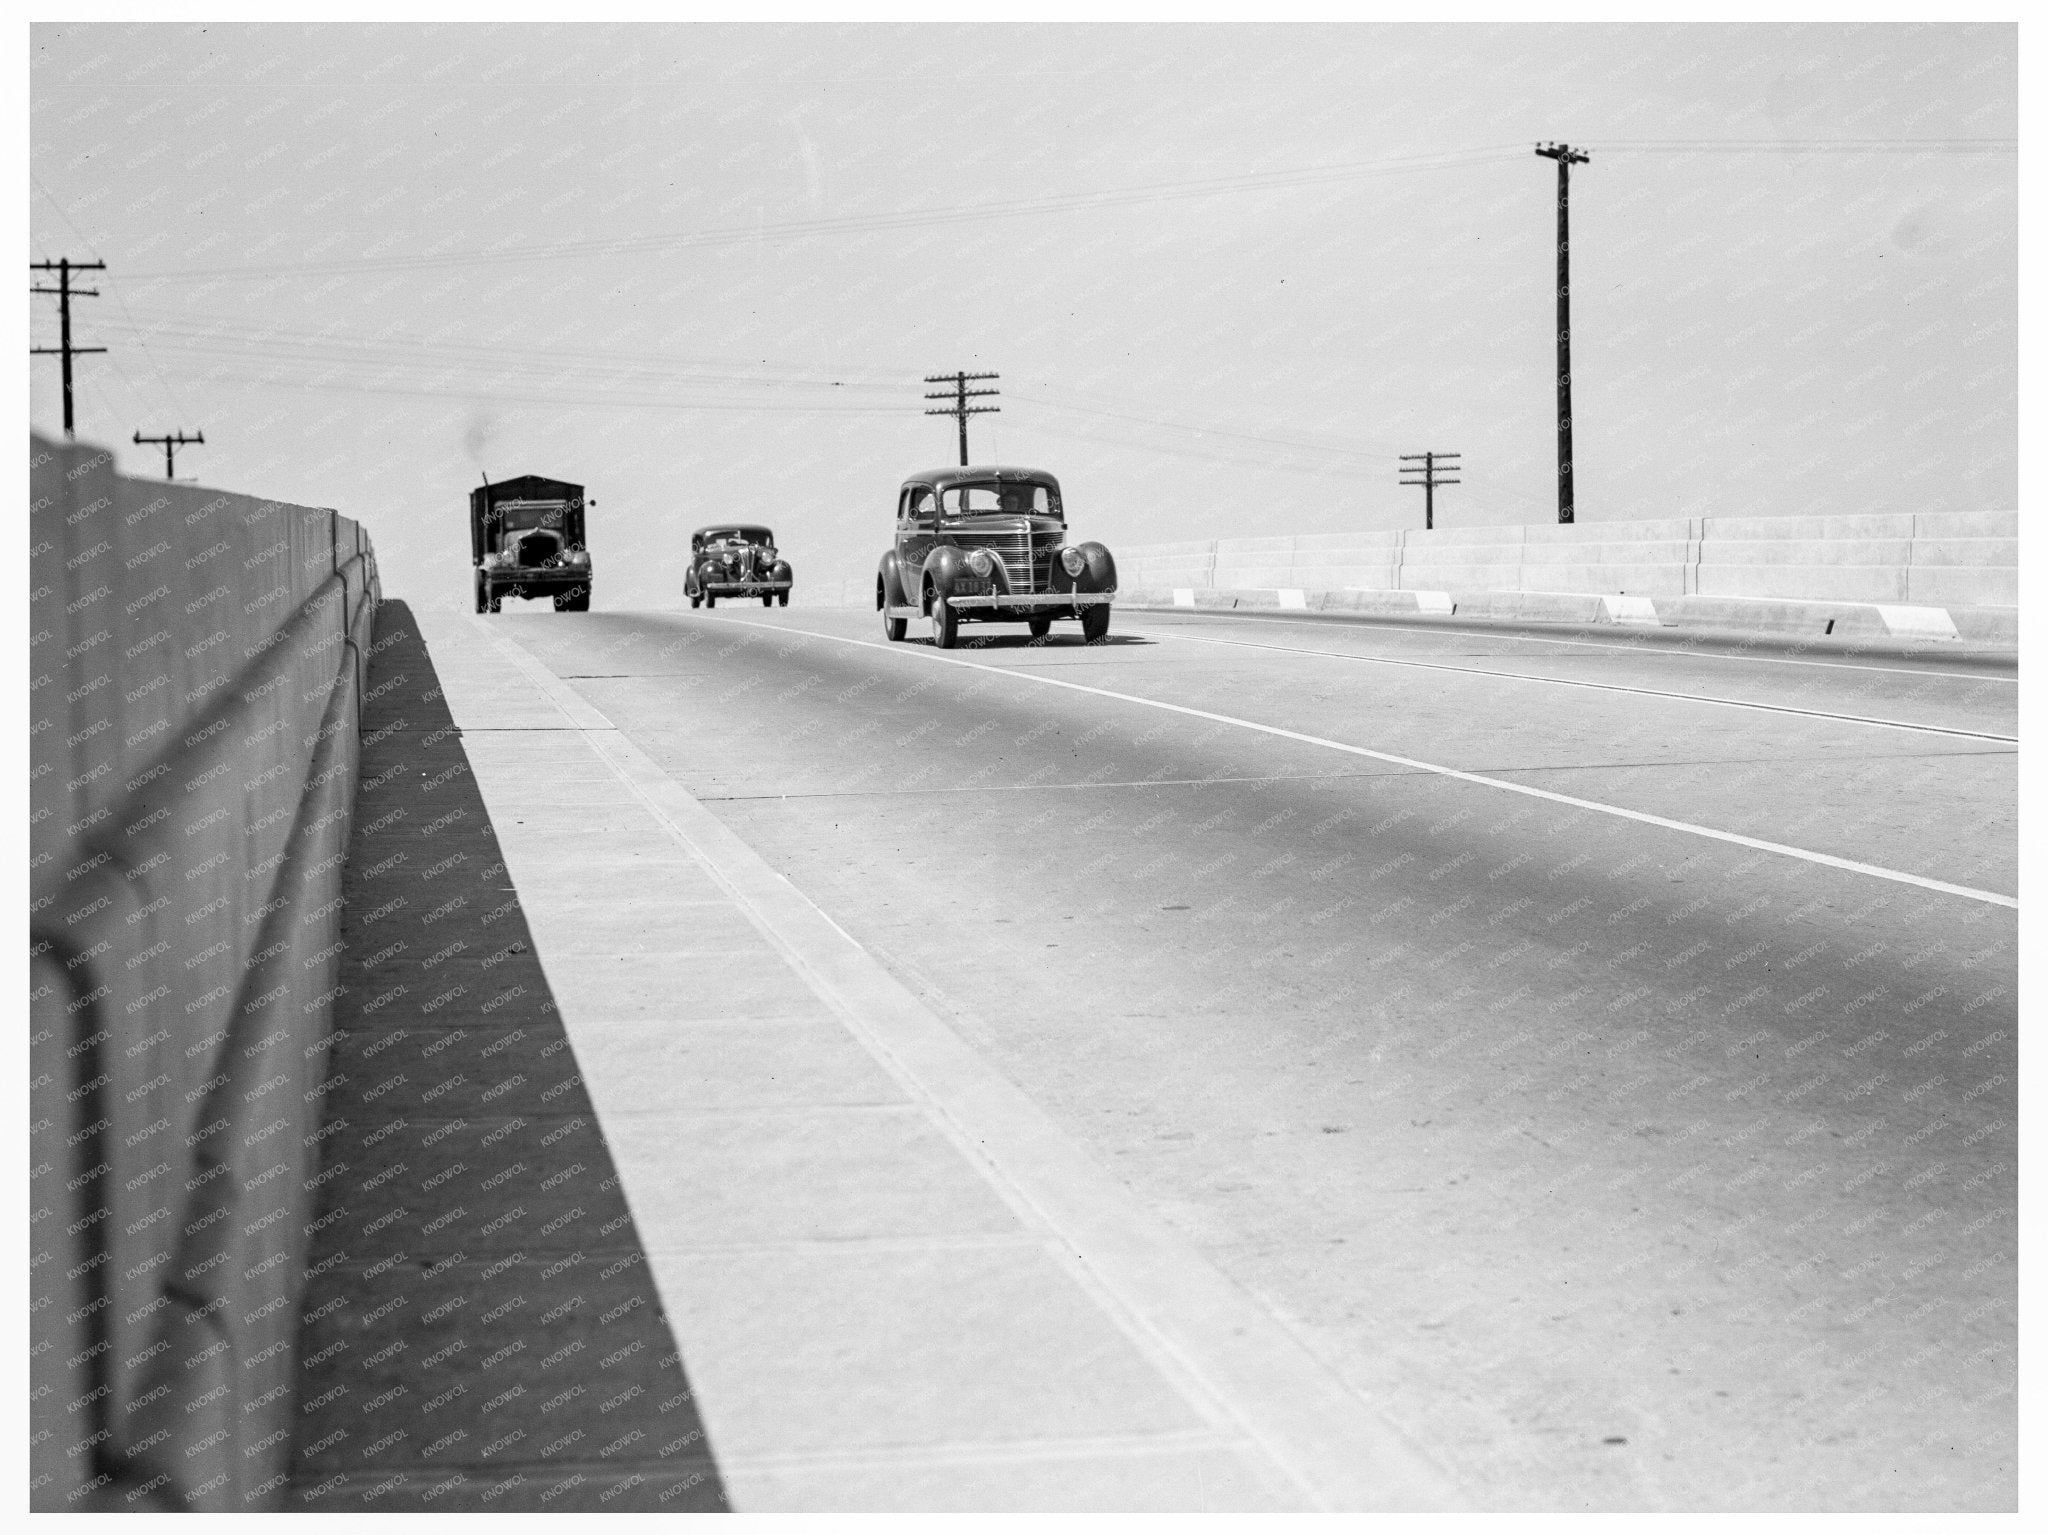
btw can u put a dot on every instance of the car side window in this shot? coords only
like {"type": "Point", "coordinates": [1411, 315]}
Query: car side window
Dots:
{"type": "Point", "coordinates": [919, 506]}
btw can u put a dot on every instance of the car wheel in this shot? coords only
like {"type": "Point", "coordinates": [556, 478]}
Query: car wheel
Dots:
{"type": "Point", "coordinates": [483, 600]}
{"type": "Point", "coordinates": [783, 598]}
{"type": "Point", "coordinates": [711, 599]}
{"type": "Point", "coordinates": [495, 602]}
{"type": "Point", "coordinates": [945, 623]}
{"type": "Point", "coordinates": [768, 601]}
{"type": "Point", "coordinates": [695, 600]}
{"type": "Point", "coordinates": [1094, 622]}
{"type": "Point", "coordinates": [1040, 628]}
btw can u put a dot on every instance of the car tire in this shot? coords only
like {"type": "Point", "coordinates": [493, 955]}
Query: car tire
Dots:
{"type": "Point", "coordinates": [495, 602]}
{"type": "Point", "coordinates": [1094, 622]}
{"type": "Point", "coordinates": [695, 600]}
{"type": "Point", "coordinates": [783, 598]}
{"type": "Point", "coordinates": [945, 624]}
{"type": "Point", "coordinates": [483, 599]}
{"type": "Point", "coordinates": [768, 601]}
{"type": "Point", "coordinates": [710, 599]}
{"type": "Point", "coordinates": [893, 629]}
{"type": "Point", "coordinates": [1040, 628]}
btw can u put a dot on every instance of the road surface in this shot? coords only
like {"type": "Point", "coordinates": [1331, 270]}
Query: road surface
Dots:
{"type": "Point", "coordinates": [1600, 1054]}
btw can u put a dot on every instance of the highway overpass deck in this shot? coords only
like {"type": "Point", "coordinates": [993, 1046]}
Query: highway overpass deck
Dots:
{"type": "Point", "coordinates": [1246, 1064]}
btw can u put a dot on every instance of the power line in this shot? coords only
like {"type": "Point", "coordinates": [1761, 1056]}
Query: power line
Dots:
{"type": "Point", "coordinates": [1251, 181]}
{"type": "Point", "coordinates": [64, 267]}
{"type": "Point", "coordinates": [960, 394]}
{"type": "Point", "coordinates": [114, 290]}
{"type": "Point", "coordinates": [1987, 146]}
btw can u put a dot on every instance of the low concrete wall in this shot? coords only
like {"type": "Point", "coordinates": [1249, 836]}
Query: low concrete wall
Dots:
{"type": "Point", "coordinates": [196, 668]}
{"type": "Point", "coordinates": [1967, 559]}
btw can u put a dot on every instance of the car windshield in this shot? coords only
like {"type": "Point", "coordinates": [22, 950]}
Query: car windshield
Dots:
{"type": "Point", "coordinates": [1006, 497]}
{"type": "Point", "coordinates": [734, 538]}
{"type": "Point", "coordinates": [531, 514]}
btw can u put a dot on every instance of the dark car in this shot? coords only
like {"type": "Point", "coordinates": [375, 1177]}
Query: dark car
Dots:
{"type": "Point", "coordinates": [736, 559]}
{"type": "Point", "coordinates": [987, 543]}
{"type": "Point", "coordinates": [526, 540]}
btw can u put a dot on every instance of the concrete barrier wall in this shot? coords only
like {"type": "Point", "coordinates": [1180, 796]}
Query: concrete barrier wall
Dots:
{"type": "Point", "coordinates": [196, 667]}
{"type": "Point", "coordinates": [1968, 559]}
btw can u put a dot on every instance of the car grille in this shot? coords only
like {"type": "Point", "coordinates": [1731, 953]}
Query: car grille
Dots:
{"type": "Point", "coordinates": [1030, 568]}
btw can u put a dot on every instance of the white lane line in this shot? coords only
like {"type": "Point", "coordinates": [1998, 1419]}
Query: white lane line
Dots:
{"type": "Point", "coordinates": [1693, 651]}
{"type": "Point", "coordinates": [1603, 687]}
{"type": "Point", "coordinates": [1025, 788]}
{"type": "Point", "coordinates": [1898, 876]}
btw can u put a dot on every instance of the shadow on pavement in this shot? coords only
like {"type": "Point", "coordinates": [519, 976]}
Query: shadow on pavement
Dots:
{"type": "Point", "coordinates": [480, 1331]}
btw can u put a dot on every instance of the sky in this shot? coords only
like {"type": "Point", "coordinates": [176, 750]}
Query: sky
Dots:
{"type": "Point", "coordinates": [1227, 274]}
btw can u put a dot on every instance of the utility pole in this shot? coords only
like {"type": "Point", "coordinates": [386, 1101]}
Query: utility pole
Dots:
{"type": "Point", "coordinates": [64, 267]}
{"type": "Point", "coordinates": [1433, 467]}
{"type": "Point", "coordinates": [1566, 157]}
{"type": "Point", "coordinates": [171, 443]}
{"type": "Point", "coordinates": [960, 394]}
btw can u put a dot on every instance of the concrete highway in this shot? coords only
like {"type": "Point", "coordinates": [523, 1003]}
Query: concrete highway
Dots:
{"type": "Point", "coordinates": [1599, 1053]}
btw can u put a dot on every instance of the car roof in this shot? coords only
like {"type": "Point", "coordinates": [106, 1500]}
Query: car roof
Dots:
{"type": "Point", "coordinates": [531, 485]}
{"type": "Point", "coordinates": [743, 529]}
{"type": "Point", "coordinates": [963, 474]}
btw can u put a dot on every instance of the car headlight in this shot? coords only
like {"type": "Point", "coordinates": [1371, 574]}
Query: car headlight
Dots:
{"type": "Point", "coordinates": [980, 563]}
{"type": "Point", "coordinates": [1073, 561]}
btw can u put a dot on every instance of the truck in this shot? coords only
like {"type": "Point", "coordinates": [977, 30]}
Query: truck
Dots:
{"type": "Point", "coordinates": [526, 540]}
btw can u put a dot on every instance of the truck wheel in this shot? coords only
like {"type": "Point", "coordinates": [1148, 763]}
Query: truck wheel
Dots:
{"type": "Point", "coordinates": [1094, 622]}
{"type": "Point", "coordinates": [1040, 628]}
{"type": "Point", "coordinates": [945, 623]}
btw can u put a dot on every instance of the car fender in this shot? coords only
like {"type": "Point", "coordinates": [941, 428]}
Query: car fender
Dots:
{"type": "Point", "coordinates": [782, 572]}
{"type": "Point", "coordinates": [942, 567]}
{"type": "Point", "coordinates": [1097, 575]}
{"type": "Point", "coordinates": [889, 583]}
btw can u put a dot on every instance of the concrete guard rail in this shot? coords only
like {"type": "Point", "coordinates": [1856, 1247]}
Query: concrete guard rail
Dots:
{"type": "Point", "coordinates": [1708, 567]}
{"type": "Point", "coordinates": [196, 671]}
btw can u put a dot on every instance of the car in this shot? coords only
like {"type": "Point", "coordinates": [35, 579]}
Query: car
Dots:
{"type": "Point", "coordinates": [526, 540]}
{"type": "Point", "coordinates": [987, 543]}
{"type": "Point", "coordinates": [736, 559]}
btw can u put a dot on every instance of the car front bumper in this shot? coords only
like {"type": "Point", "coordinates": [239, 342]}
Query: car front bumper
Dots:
{"type": "Point", "coordinates": [745, 588]}
{"type": "Point", "coordinates": [1028, 602]}
{"type": "Point", "coordinates": [553, 575]}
